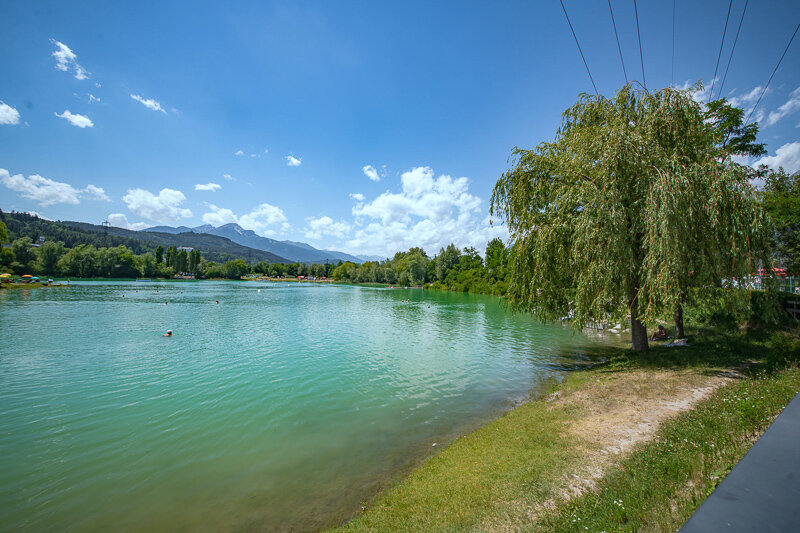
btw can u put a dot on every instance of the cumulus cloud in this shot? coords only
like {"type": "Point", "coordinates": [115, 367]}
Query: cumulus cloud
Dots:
{"type": "Point", "coordinates": [149, 103]}
{"type": "Point", "coordinates": [166, 207]}
{"type": "Point", "coordinates": [8, 114]}
{"type": "Point", "coordinates": [319, 227]}
{"type": "Point", "coordinates": [119, 220]}
{"type": "Point", "coordinates": [293, 161]}
{"type": "Point", "coordinates": [357, 196]}
{"type": "Point", "coordinates": [93, 98]}
{"type": "Point", "coordinates": [746, 99]}
{"type": "Point", "coordinates": [47, 191]}
{"type": "Point", "coordinates": [80, 121]}
{"type": "Point", "coordinates": [787, 156]}
{"type": "Point", "coordinates": [96, 193]}
{"type": "Point", "coordinates": [66, 60]}
{"type": "Point", "coordinates": [370, 172]}
{"type": "Point", "coordinates": [791, 105]}
{"type": "Point", "coordinates": [429, 211]}
{"type": "Point", "coordinates": [38, 215]}
{"type": "Point", "coordinates": [228, 177]}
{"type": "Point", "coordinates": [219, 216]}
{"type": "Point", "coordinates": [238, 152]}
{"type": "Point", "coordinates": [266, 220]}
{"type": "Point", "coordinates": [207, 187]}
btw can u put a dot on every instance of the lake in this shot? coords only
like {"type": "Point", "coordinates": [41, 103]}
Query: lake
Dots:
{"type": "Point", "coordinates": [283, 406]}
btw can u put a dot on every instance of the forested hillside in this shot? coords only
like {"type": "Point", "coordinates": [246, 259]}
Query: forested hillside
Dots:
{"type": "Point", "coordinates": [72, 234]}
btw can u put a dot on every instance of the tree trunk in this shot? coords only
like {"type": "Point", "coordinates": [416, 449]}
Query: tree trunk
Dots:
{"type": "Point", "coordinates": [678, 316]}
{"type": "Point", "coordinates": [638, 329]}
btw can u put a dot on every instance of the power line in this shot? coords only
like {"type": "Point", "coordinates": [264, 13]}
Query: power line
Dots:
{"type": "Point", "coordinates": [579, 48]}
{"type": "Point", "coordinates": [773, 73]}
{"type": "Point", "coordinates": [641, 54]}
{"type": "Point", "coordinates": [672, 78]}
{"type": "Point", "coordinates": [733, 48]}
{"type": "Point", "coordinates": [719, 55]}
{"type": "Point", "coordinates": [618, 46]}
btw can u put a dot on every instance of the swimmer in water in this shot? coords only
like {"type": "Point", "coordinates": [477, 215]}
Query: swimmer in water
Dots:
{"type": "Point", "coordinates": [216, 301]}
{"type": "Point", "coordinates": [168, 333]}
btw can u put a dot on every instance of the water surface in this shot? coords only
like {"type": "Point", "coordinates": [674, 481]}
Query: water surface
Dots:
{"type": "Point", "coordinates": [273, 409]}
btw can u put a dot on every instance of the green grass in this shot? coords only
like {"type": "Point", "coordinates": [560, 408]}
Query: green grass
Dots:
{"type": "Point", "coordinates": [660, 484]}
{"type": "Point", "coordinates": [513, 474]}
{"type": "Point", "coordinates": [520, 455]}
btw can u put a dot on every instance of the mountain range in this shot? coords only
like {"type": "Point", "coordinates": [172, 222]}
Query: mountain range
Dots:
{"type": "Point", "coordinates": [299, 252]}
{"type": "Point", "coordinates": [71, 233]}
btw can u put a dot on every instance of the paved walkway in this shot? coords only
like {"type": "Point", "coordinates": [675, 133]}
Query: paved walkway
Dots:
{"type": "Point", "coordinates": [762, 492]}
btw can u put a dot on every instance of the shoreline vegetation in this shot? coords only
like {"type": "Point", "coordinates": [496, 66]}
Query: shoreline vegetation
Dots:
{"type": "Point", "coordinates": [633, 443]}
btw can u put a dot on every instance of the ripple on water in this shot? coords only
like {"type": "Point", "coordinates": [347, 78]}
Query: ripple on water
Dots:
{"type": "Point", "coordinates": [273, 409]}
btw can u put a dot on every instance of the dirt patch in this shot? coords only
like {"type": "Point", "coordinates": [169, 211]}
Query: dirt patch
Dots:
{"type": "Point", "coordinates": [613, 413]}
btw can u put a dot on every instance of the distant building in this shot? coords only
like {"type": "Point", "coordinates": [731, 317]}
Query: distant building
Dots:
{"type": "Point", "coordinates": [184, 248]}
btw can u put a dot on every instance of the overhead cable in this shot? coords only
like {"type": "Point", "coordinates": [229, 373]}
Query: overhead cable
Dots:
{"type": "Point", "coordinates": [618, 46]}
{"type": "Point", "coordinates": [641, 54]}
{"type": "Point", "coordinates": [672, 77]}
{"type": "Point", "coordinates": [579, 48]}
{"type": "Point", "coordinates": [735, 40]}
{"type": "Point", "coordinates": [773, 73]}
{"type": "Point", "coordinates": [714, 79]}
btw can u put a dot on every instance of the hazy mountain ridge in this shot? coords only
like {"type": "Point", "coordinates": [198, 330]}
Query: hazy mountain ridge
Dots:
{"type": "Point", "coordinates": [299, 252]}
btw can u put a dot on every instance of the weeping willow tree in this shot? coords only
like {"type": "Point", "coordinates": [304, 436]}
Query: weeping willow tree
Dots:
{"type": "Point", "coordinates": [627, 207]}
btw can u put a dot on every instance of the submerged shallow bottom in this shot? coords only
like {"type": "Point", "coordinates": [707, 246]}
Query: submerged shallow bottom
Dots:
{"type": "Point", "coordinates": [280, 407]}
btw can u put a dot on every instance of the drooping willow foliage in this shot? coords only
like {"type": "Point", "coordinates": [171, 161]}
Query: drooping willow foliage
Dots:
{"type": "Point", "coordinates": [627, 207]}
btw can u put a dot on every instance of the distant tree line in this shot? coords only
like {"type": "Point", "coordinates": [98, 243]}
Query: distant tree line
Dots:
{"type": "Point", "coordinates": [451, 269]}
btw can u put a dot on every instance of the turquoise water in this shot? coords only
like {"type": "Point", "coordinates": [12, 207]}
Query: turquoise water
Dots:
{"type": "Point", "coordinates": [272, 410]}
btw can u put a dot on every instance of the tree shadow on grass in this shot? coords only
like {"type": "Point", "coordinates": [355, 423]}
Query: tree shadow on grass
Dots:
{"type": "Point", "coordinates": [710, 351]}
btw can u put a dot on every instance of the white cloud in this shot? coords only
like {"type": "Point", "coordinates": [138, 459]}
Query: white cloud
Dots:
{"type": "Point", "coordinates": [699, 96]}
{"type": "Point", "coordinates": [266, 151]}
{"type": "Point", "coordinates": [318, 227]}
{"type": "Point", "coordinates": [47, 191]}
{"type": "Point", "coordinates": [149, 103]}
{"type": "Point", "coordinates": [371, 172]}
{"type": "Point", "coordinates": [38, 215]}
{"type": "Point", "coordinates": [162, 208]}
{"type": "Point", "coordinates": [66, 60]}
{"type": "Point", "coordinates": [357, 196]}
{"type": "Point", "coordinates": [8, 114]}
{"type": "Point", "coordinates": [293, 161]}
{"type": "Point", "coordinates": [429, 211]}
{"type": "Point", "coordinates": [791, 105]}
{"type": "Point", "coordinates": [119, 220]}
{"type": "Point", "coordinates": [93, 98]}
{"type": "Point", "coordinates": [787, 156]}
{"type": "Point", "coordinates": [219, 216]}
{"type": "Point", "coordinates": [97, 193]}
{"type": "Point", "coordinates": [238, 152]}
{"type": "Point", "coordinates": [228, 177]}
{"type": "Point", "coordinates": [266, 220]}
{"type": "Point", "coordinates": [746, 99]}
{"type": "Point", "coordinates": [207, 187]}
{"type": "Point", "coordinates": [80, 121]}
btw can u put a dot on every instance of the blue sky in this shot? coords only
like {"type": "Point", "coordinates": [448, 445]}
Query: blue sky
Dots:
{"type": "Point", "coordinates": [359, 126]}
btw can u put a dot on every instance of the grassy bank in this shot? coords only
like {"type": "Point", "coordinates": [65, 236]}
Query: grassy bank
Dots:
{"type": "Point", "coordinates": [633, 444]}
